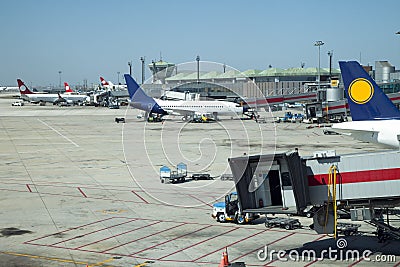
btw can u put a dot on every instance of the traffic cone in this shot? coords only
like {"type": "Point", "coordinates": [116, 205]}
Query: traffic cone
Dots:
{"type": "Point", "coordinates": [224, 260]}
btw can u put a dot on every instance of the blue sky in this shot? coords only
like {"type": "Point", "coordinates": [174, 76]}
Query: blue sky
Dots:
{"type": "Point", "coordinates": [85, 39]}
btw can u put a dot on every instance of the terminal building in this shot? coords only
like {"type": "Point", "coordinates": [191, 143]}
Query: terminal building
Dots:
{"type": "Point", "coordinates": [263, 88]}
{"type": "Point", "coordinates": [229, 84]}
{"type": "Point", "coordinates": [268, 83]}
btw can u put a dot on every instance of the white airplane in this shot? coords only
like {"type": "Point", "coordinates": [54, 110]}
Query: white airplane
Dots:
{"type": "Point", "coordinates": [110, 85]}
{"type": "Point", "coordinates": [51, 98]}
{"type": "Point", "coordinates": [158, 107]}
{"type": "Point", "coordinates": [374, 117]}
{"type": "Point", "coordinates": [7, 88]}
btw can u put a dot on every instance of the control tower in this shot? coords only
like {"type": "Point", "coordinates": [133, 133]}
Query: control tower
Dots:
{"type": "Point", "coordinates": [161, 70]}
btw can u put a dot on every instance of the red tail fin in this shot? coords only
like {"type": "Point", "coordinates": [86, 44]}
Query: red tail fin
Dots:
{"type": "Point", "coordinates": [103, 82]}
{"type": "Point", "coordinates": [67, 88]}
{"type": "Point", "coordinates": [23, 89]}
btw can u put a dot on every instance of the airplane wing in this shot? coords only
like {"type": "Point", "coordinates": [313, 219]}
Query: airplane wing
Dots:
{"type": "Point", "coordinates": [182, 112]}
{"type": "Point", "coordinates": [362, 135]}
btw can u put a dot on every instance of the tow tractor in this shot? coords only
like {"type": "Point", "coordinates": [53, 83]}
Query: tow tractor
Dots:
{"type": "Point", "coordinates": [290, 117]}
{"type": "Point", "coordinates": [230, 211]}
{"type": "Point", "coordinates": [287, 223]}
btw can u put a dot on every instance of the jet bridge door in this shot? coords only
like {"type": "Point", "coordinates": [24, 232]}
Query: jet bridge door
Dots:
{"type": "Point", "coordinates": [299, 180]}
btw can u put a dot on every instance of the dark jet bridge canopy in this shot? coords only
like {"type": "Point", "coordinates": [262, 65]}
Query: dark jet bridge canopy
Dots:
{"type": "Point", "coordinates": [271, 183]}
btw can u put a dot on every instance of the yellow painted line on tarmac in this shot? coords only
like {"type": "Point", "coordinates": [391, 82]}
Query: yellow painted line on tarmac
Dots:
{"type": "Point", "coordinates": [42, 257]}
{"type": "Point", "coordinates": [100, 263]}
{"type": "Point", "coordinates": [64, 260]}
{"type": "Point", "coordinates": [112, 211]}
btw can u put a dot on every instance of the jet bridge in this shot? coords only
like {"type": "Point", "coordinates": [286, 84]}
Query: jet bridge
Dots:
{"type": "Point", "coordinates": [287, 183]}
{"type": "Point", "coordinates": [274, 183]}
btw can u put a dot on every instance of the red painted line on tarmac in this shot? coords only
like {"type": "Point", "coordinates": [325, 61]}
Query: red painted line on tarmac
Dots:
{"type": "Point", "coordinates": [231, 244]}
{"type": "Point", "coordinates": [200, 200]}
{"type": "Point", "coordinates": [93, 232]}
{"type": "Point", "coordinates": [320, 237]}
{"type": "Point", "coordinates": [357, 262]}
{"type": "Point", "coordinates": [257, 249]}
{"type": "Point", "coordinates": [80, 190]}
{"type": "Point", "coordinates": [100, 187]}
{"type": "Point", "coordinates": [198, 243]}
{"type": "Point", "coordinates": [137, 239]}
{"type": "Point", "coordinates": [123, 233]}
{"type": "Point", "coordinates": [71, 229]}
{"type": "Point", "coordinates": [144, 200]}
{"type": "Point", "coordinates": [29, 188]}
{"type": "Point", "coordinates": [100, 198]}
{"type": "Point", "coordinates": [170, 240]}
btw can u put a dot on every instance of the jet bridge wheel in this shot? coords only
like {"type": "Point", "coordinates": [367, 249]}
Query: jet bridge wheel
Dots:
{"type": "Point", "coordinates": [221, 217]}
{"type": "Point", "coordinates": [240, 219]}
{"type": "Point", "coordinates": [268, 225]}
{"type": "Point", "coordinates": [288, 226]}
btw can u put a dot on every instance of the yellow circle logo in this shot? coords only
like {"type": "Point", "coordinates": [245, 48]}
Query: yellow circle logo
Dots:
{"type": "Point", "coordinates": [361, 91]}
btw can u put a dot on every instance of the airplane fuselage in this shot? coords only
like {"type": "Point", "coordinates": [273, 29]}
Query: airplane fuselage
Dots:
{"type": "Point", "coordinates": [53, 98]}
{"type": "Point", "coordinates": [200, 107]}
{"type": "Point", "coordinates": [375, 131]}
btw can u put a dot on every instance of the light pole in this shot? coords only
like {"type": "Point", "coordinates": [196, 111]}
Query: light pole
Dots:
{"type": "Point", "coordinates": [198, 69]}
{"type": "Point", "coordinates": [142, 59]}
{"type": "Point", "coordinates": [118, 76]}
{"type": "Point", "coordinates": [154, 70]}
{"type": "Point", "coordinates": [330, 54]}
{"type": "Point", "coordinates": [130, 67]}
{"type": "Point", "coordinates": [319, 43]}
{"type": "Point", "coordinates": [59, 74]}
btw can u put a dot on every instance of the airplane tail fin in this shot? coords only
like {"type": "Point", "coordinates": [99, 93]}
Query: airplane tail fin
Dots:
{"type": "Point", "coordinates": [23, 89]}
{"type": "Point", "coordinates": [139, 99]}
{"type": "Point", "coordinates": [68, 88]}
{"type": "Point", "coordinates": [103, 81]}
{"type": "Point", "coordinates": [366, 100]}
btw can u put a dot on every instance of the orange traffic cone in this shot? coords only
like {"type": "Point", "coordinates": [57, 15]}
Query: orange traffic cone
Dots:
{"type": "Point", "coordinates": [224, 260]}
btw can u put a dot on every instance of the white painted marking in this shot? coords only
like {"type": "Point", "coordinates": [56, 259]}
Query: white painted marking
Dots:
{"type": "Point", "coordinates": [66, 138]}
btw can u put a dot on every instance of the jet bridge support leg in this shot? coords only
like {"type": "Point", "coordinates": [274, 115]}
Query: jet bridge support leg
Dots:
{"type": "Point", "coordinates": [385, 229]}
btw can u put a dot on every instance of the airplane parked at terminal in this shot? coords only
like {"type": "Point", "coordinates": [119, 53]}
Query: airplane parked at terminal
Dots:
{"type": "Point", "coordinates": [152, 106]}
{"type": "Point", "coordinates": [32, 97]}
{"type": "Point", "coordinates": [110, 85]}
{"type": "Point", "coordinates": [374, 117]}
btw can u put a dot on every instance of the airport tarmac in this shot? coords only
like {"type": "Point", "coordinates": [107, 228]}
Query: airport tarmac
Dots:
{"type": "Point", "coordinates": [78, 189]}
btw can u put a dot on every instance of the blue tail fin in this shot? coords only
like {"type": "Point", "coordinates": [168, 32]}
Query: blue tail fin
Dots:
{"type": "Point", "coordinates": [139, 99]}
{"type": "Point", "coordinates": [366, 100]}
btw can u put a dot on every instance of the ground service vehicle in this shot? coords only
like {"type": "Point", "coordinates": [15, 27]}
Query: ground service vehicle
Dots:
{"type": "Point", "coordinates": [230, 210]}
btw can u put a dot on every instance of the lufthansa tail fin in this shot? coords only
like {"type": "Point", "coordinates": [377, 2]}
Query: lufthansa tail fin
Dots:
{"type": "Point", "coordinates": [68, 88]}
{"type": "Point", "coordinates": [139, 99]}
{"type": "Point", "coordinates": [366, 100]}
{"type": "Point", "coordinates": [23, 89]}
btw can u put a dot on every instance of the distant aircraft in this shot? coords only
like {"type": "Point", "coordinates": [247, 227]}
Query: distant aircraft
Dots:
{"type": "Point", "coordinates": [6, 88]}
{"type": "Point", "coordinates": [51, 98]}
{"type": "Point", "coordinates": [152, 106]}
{"type": "Point", "coordinates": [68, 89]}
{"type": "Point", "coordinates": [374, 117]}
{"type": "Point", "coordinates": [110, 85]}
